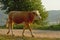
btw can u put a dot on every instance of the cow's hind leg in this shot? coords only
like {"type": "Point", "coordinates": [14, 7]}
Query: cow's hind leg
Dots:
{"type": "Point", "coordinates": [10, 28]}
{"type": "Point", "coordinates": [8, 25]}
{"type": "Point", "coordinates": [8, 31]}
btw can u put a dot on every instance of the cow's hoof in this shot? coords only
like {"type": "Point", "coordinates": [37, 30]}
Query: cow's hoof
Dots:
{"type": "Point", "coordinates": [23, 36]}
{"type": "Point", "coordinates": [7, 33]}
{"type": "Point", "coordinates": [32, 35]}
{"type": "Point", "coordinates": [12, 34]}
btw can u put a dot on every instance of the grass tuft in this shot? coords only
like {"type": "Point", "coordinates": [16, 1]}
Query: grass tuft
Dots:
{"type": "Point", "coordinates": [6, 37]}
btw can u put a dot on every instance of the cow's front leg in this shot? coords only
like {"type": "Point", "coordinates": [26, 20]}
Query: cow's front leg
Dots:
{"type": "Point", "coordinates": [30, 30]}
{"type": "Point", "coordinates": [25, 26]}
{"type": "Point", "coordinates": [23, 31]}
{"type": "Point", "coordinates": [28, 26]}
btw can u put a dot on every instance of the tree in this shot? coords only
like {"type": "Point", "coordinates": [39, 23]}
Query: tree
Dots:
{"type": "Point", "coordinates": [25, 5]}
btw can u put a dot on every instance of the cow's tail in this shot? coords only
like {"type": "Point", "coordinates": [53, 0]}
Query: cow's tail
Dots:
{"type": "Point", "coordinates": [7, 23]}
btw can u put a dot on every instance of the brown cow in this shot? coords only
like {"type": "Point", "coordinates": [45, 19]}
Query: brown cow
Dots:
{"type": "Point", "coordinates": [17, 17]}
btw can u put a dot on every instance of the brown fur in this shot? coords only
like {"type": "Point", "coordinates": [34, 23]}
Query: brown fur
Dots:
{"type": "Point", "coordinates": [19, 17]}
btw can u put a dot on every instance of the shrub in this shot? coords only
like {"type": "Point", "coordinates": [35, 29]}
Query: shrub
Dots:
{"type": "Point", "coordinates": [54, 27]}
{"type": "Point", "coordinates": [18, 26]}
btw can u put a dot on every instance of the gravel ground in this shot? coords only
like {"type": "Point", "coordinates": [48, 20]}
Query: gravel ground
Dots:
{"type": "Point", "coordinates": [37, 33]}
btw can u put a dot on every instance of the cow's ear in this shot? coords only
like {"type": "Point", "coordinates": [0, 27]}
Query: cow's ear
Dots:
{"type": "Point", "coordinates": [34, 13]}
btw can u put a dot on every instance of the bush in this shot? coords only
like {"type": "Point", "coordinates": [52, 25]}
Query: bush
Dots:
{"type": "Point", "coordinates": [51, 27]}
{"type": "Point", "coordinates": [18, 26]}
{"type": "Point", "coordinates": [2, 27]}
{"type": "Point", "coordinates": [54, 27]}
{"type": "Point", "coordinates": [43, 28]}
{"type": "Point", "coordinates": [35, 26]}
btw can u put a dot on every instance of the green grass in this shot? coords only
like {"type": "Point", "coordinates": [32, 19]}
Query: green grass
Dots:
{"type": "Point", "coordinates": [5, 37]}
{"type": "Point", "coordinates": [35, 26]}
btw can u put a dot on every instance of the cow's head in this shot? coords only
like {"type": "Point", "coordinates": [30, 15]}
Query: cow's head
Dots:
{"type": "Point", "coordinates": [37, 14]}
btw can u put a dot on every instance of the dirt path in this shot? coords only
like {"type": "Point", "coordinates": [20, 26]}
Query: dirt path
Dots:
{"type": "Point", "coordinates": [37, 33]}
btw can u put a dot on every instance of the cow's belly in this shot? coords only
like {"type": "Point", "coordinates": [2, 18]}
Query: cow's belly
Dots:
{"type": "Point", "coordinates": [21, 20]}
{"type": "Point", "coordinates": [18, 20]}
